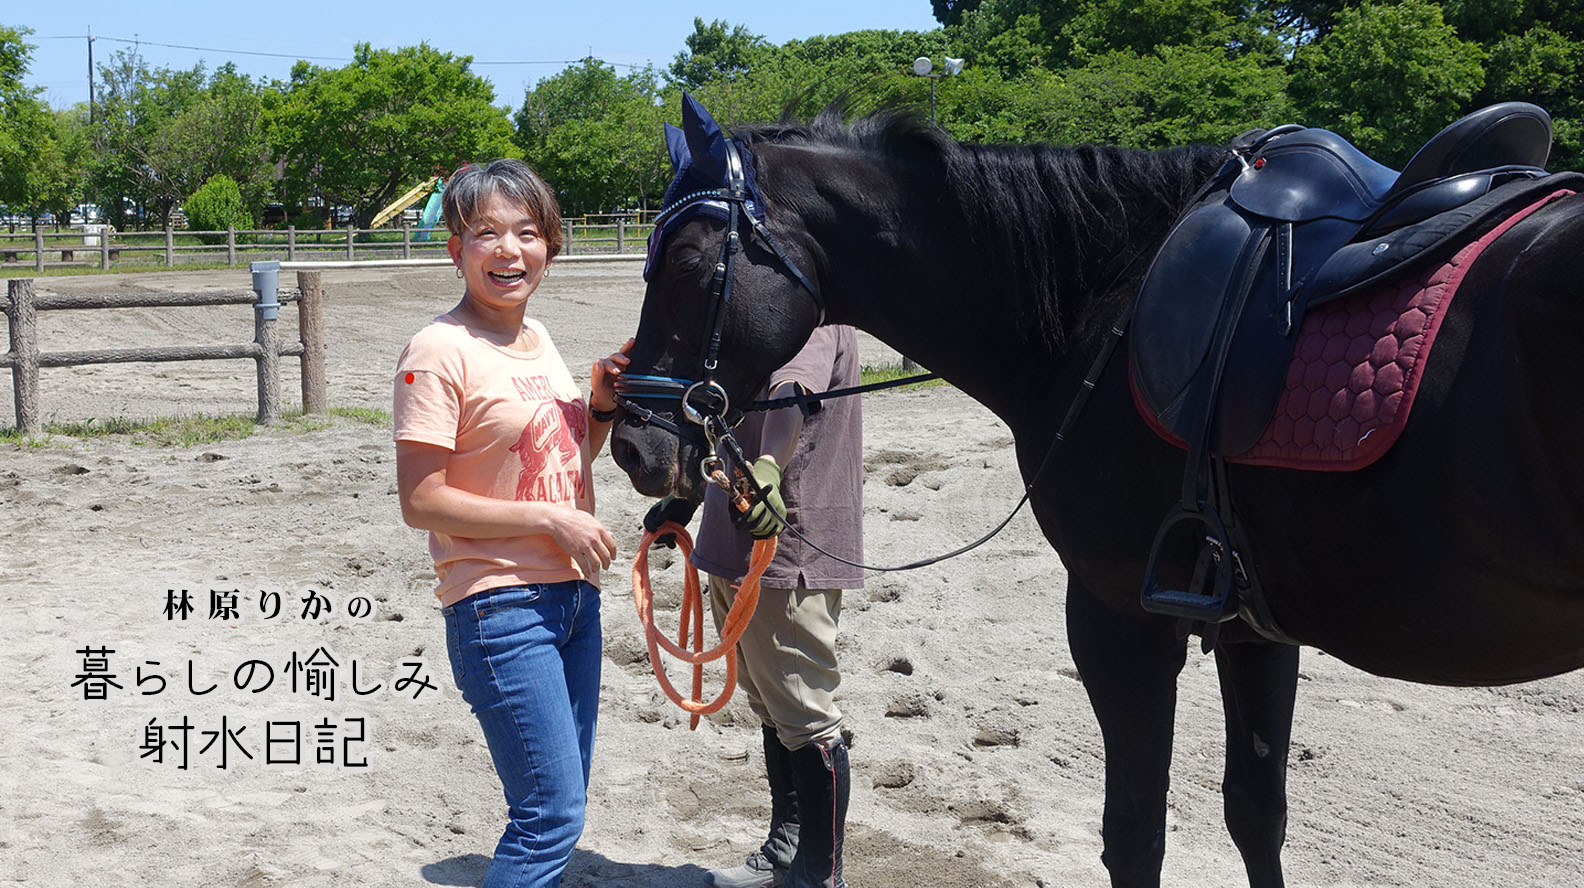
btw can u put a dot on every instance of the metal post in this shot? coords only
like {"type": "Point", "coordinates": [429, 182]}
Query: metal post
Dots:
{"type": "Point", "coordinates": [22, 316]}
{"type": "Point", "coordinates": [266, 283]}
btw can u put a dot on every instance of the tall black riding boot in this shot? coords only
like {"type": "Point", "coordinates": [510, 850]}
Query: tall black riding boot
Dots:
{"type": "Point", "coordinates": [781, 845]}
{"type": "Point", "coordinates": [766, 867]}
{"type": "Point", "coordinates": [821, 774]}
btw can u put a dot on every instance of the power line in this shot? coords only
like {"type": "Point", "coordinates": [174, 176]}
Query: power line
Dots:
{"type": "Point", "coordinates": [138, 41]}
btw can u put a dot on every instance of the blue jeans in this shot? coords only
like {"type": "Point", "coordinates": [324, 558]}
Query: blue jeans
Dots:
{"type": "Point", "coordinates": [527, 659]}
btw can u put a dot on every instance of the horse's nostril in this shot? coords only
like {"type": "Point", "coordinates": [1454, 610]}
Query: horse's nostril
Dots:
{"type": "Point", "coordinates": [624, 453]}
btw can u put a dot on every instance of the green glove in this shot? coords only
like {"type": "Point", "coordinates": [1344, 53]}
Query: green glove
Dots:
{"type": "Point", "coordinates": [669, 508]}
{"type": "Point", "coordinates": [760, 520]}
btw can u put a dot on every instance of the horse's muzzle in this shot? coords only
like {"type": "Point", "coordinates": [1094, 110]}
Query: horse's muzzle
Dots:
{"type": "Point", "coordinates": [656, 462]}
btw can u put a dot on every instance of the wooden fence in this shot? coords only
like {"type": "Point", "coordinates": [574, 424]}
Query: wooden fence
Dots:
{"type": "Point", "coordinates": [103, 248]}
{"type": "Point", "coordinates": [266, 350]}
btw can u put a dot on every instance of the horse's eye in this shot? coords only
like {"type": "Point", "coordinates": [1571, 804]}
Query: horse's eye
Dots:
{"type": "Point", "coordinates": [685, 262]}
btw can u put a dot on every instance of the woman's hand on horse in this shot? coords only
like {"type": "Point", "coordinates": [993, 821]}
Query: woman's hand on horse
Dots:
{"type": "Point", "coordinates": [602, 378]}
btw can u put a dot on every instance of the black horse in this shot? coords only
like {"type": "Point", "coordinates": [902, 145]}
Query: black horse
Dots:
{"type": "Point", "coordinates": [1456, 558]}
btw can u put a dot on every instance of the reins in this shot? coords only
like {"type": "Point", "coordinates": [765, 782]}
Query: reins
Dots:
{"type": "Point", "coordinates": [691, 622]}
{"type": "Point", "coordinates": [1091, 379]}
{"type": "Point", "coordinates": [705, 404]}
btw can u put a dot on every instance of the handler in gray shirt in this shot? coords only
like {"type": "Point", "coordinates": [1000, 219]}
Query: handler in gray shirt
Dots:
{"type": "Point", "coordinates": [787, 655]}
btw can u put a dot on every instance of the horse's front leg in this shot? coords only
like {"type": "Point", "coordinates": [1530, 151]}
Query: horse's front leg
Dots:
{"type": "Point", "coordinates": [1259, 680]}
{"type": "Point", "coordinates": [1129, 667]}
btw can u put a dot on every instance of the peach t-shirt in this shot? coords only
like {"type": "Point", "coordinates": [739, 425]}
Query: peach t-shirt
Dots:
{"type": "Point", "coordinates": [517, 428]}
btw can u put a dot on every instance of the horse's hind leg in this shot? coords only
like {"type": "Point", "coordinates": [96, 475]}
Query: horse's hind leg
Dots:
{"type": "Point", "coordinates": [1258, 683]}
{"type": "Point", "coordinates": [1129, 667]}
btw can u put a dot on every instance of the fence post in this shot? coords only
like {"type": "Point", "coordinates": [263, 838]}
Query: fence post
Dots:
{"type": "Point", "coordinates": [406, 239]}
{"type": "Point", "coordinates": [291, 243]}
{"type": "Point", "coordinates": [38, 251]}
{"type": "Point", "coordinates": [310, 327]}
{"type": "Point", "coordinates": [22, 315]}
{"type": "Point", "coordinates": [621, 234]}
{"type": "Point", "coordinates": [266, 283]}
{"type": "Point", "coordinates": [170, 247]}
{"type": "Point", "coordinates": [566, 237]}
{"type": "Point", "coordinates": [104, 248]}
{"type": "Point", "coordinates": [351, 236]}
{"type": "Point", "coordinates": [230, 245]}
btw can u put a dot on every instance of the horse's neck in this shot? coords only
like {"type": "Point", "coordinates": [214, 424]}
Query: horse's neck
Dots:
{"type": "Point", "coordinates": [927, 270]}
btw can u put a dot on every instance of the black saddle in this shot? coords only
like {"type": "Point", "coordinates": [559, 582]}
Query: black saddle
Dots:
{"type": "Point", "coordinates": [1296, 218]}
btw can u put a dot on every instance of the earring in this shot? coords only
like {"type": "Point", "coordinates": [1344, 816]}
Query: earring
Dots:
{"type": "Point", "coordinates": [459, 273]}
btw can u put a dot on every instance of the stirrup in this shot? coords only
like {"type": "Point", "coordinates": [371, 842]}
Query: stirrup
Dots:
{"type": "Point", "coordinates": [1209, 596]}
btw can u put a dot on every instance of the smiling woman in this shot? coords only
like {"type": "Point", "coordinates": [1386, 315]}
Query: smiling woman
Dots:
{"type": "Point", "coordinates": [494, 444]}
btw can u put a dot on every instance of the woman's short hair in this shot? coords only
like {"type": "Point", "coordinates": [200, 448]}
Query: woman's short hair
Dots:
{"type": "Point", "coordinates": [510, 178]}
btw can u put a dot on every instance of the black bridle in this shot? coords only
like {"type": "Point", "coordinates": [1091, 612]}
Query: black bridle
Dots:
{"type": "Point", "coordinates": [704, 402]}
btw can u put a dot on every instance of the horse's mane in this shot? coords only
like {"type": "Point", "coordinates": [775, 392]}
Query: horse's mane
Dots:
{"type": "Point", "coordinates": [1049, 219]}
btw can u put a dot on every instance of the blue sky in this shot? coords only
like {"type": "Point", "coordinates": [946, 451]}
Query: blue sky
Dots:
{"type": "Point", "coordinates": [623, 33]}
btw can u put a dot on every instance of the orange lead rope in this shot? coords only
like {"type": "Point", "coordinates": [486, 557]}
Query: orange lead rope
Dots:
{"type": "Point", "coordinates": [693, 611]}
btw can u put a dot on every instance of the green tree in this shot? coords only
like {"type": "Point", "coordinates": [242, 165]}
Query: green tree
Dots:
{"type": "Point", "coordinates": [950, 12]}
{"type": "Point", "coordinates": [862, 69]}
{"type": "Point", "coordinates": [26, 126]}
{"type": "Point", "coordinates": [1175, 95]}
{"type": "Point", "coordinates": [1010, 47]}
{"type": "Point", "coordinates": [359, 135]}
{"type": "Point", "coordinates": [217, 131]}
{"type": "Point", "coordinates": [716, 51]}
{"type": "Point", "coordinates": [136, 104]}
{"type": "Point", "coordinates": [216, 206]}
{"type": "Point", "coordinates": [1339, 82]}
{"type": "Point", "coordinates": [595, 137]}
{"type": "Point", "coordinates": [56, 176]}
{"type": "Point", "coordinates": [1544, 67]}
{"type": "Point", "coordinates": [1491, 21]}
{"type": "Point", "coordinates": [1140, 26]}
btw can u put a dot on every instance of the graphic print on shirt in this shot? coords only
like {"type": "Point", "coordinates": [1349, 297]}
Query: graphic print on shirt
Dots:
{"type": "Point", "coordinates": [549, 446]}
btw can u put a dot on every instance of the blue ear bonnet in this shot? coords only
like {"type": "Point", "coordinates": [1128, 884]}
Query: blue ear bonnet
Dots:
{"type": "Point", "coordinates": [698, 157]}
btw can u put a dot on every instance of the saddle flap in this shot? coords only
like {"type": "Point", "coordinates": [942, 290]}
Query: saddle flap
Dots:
{"type": "Point", "coordinates": [1312, 174]}
{"type": "Point", "coordinates": [1179, 306]}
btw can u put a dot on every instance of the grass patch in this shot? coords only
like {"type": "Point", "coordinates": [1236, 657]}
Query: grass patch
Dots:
{"type": "Point", "coordinates": [187, 431]}
{"type": "Point", "coordinates": [365, 415]}
{"type": "Point", "coordinates": [872, 373]}
{"type": "Point", "coordinates": [169, 431]}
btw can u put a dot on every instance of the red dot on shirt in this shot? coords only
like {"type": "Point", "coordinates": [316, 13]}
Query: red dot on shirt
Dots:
{"type": "Point", "coordinates": [410, 379]}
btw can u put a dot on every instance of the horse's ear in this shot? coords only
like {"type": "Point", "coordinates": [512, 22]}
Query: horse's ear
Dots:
{"type": "Point", "coordinates": [676, 146]}
{"type": "Point", "coordinates": [705, 142]}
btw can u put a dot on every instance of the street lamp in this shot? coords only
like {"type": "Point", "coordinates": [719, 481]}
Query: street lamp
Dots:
{"type": "Point", "coordinates": [923, 67]}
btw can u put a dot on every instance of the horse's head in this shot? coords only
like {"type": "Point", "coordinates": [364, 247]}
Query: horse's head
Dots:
{"type": "Point", "coordinates": [727, 302]}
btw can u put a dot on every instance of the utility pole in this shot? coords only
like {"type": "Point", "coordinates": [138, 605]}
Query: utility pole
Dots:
{"type": "Point", "coordinates": [90, 77]}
